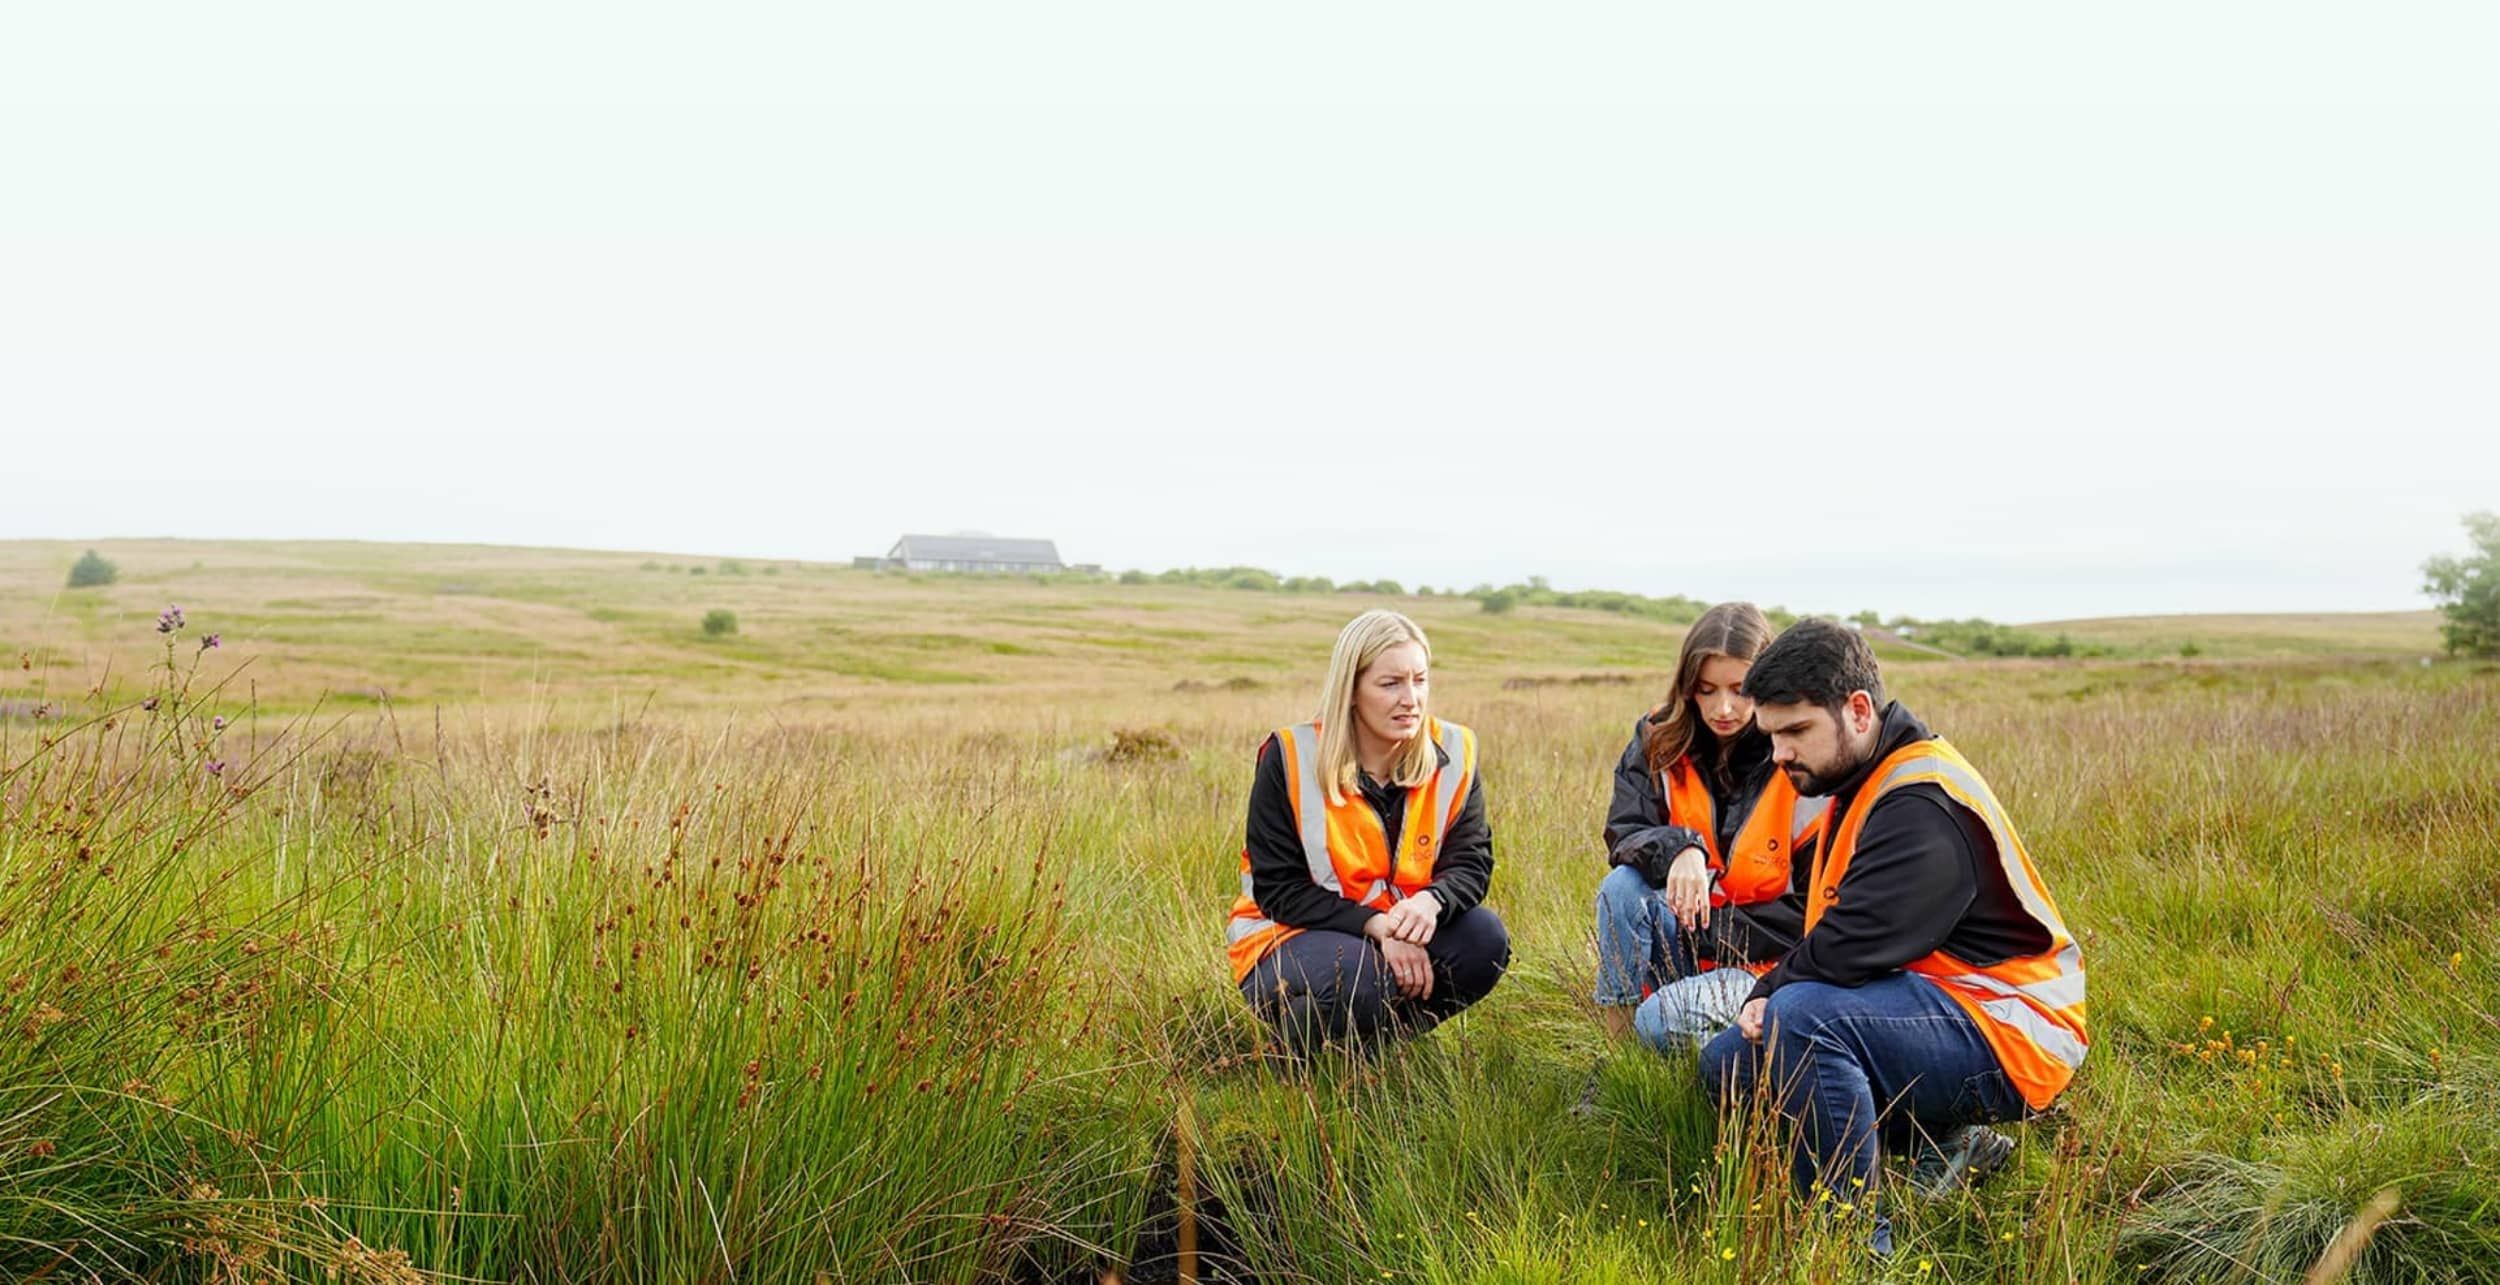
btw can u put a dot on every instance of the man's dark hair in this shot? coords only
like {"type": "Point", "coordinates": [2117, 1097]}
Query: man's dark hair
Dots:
{"type": "Point", "coordinates": [1815, 662]}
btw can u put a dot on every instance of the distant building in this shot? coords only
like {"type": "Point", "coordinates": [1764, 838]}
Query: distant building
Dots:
{"type": "Point", "coordinates": [969, 553]}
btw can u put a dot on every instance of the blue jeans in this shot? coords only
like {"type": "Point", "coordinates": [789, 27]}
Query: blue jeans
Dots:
{"type": "Point", "coordinates": [1641, 949]}
{"type": "Point", "coordinates": [1854, 1067]}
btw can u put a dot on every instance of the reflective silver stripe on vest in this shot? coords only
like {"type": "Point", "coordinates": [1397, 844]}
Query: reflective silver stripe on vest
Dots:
{"type": "Point", "coordinates": [1240, 928]}
{"type": "Point", "coordinates": [2062, 991]}
{"type": "Point", "coordinates": [1447, 798]}
{"type": "Point", "coordinates": [1809, 811]}
{"type": "Point", "coordinates": [2051, 1038]}
{"type": "Point", "coordinates": [1311, 807]}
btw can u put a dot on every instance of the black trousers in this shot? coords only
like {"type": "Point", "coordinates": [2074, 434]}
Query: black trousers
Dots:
{"type": "Point", "coordinates": [1320, 986]}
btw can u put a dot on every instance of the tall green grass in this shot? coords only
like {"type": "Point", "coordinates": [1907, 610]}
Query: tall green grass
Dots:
{"type": "Point", "coordinates": [920, 992]}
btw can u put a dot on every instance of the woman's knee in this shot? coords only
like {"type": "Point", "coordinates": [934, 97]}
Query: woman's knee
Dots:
{"type": "Point", "coordinates": [1480, 938]}
{"type": "Point", "coordinates": [1689, 1012]}
{"type": "Point", "coordinates": [1622, 891]}
{"type": "Point", "coordinates": [1473, 951]}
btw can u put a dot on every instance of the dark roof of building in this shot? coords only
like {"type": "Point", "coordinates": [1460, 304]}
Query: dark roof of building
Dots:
{"type": "Point", "coordinates": [974, 548]}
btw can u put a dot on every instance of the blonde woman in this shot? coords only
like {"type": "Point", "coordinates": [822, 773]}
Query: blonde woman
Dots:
{"type": "Point", "coordinates": [1367, 856]}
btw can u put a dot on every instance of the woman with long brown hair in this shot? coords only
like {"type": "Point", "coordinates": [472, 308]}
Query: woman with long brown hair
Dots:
{"type": "Point", "coordinates": [1703, 835]}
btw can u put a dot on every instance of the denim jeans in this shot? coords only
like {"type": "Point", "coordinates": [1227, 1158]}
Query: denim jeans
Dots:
{"type": "Point", "coordinates": [1642, 950]}
{"type": "Point", "coordinates": [1852, 1067]}
{"type": "Point", "coordinates": [1321, 986]}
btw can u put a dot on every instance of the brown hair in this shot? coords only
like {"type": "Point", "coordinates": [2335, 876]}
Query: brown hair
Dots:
{"type": "Point", "coordinates": [1736, 630]}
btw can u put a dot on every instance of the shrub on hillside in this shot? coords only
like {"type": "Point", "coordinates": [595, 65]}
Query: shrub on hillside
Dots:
{"type": "Point", "coordinates": [719, 622]}
{"type": "Point", "coordinates": [1497, 601]}
{"type": "Point", "coordinates": [92, 570]}
{"type": "Point", "coordinates": [2468, 590]}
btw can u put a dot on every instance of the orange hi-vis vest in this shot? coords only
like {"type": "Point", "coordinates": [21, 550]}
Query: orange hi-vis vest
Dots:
{"type": "Point", "coordinates": [2029, 1008]}
{"type": "Point", "coordinates": [1780, 824]}
{"type": "Point", "coordinates": [1344, 843]}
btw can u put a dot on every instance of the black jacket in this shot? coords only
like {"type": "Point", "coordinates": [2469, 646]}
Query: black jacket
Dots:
{"type": "Point", "coordinates": [1280, 877]}
{"type": "Point", "coordinates": [1638, 814]}
{"type": "Point", "coordinates": [1925, 877]}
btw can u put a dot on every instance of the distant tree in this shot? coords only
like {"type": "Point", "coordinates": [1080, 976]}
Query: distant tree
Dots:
{"type": "Point", "coordinates": [719, 622]}
{"type": "Point", "coordinates": [92, 570]}
{"type": "Point", "coordinates": [1496, 602]}
{"type": "Point", "coordinates": [2468, 589]}
{"type": "Point", "coordinates": [1388, 587]}
{"type": "Point", "coordinates": [1135, 577]}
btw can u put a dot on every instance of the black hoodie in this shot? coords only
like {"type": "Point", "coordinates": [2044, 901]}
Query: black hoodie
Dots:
{"type": "Point", "coordinates": [1925, 877]}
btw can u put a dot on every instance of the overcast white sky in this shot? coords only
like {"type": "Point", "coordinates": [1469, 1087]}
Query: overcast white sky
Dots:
{"type": "Point", "coordinates": [2023, 311]}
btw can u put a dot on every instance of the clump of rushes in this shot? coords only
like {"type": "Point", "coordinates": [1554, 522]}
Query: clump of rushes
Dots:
{"type": "Point", "coordinates": [690, 1014]}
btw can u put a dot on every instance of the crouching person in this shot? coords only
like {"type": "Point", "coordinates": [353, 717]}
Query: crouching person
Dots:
{"type": "Point", "coordinates": [1367, 857]}
{"type": "Point", "coordinates": [1705, 837]}
{"type": "Point", "coordinates": [1935, 988]}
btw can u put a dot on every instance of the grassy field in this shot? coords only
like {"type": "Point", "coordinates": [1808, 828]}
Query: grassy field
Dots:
{"type": "Point", "coordinates": [508, 928]}
{"type": "Point", "coordinates": [2382, 633]}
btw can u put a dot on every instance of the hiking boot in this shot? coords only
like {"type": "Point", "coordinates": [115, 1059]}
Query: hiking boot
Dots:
{"type": "Point", "coordinates": [1966, 1155]}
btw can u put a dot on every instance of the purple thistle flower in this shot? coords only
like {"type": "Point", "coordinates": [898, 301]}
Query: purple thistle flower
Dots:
{"type": "Point", "coordinates": [169, 620]}
{"type": "Point", "coordinates": [148, 704]}
{"type": "Point", "coordinates": [213, 640]}
{"type": "Point", "coordinates": [217, 724]}
{"type": "Point", "coordinates": [216, 767]}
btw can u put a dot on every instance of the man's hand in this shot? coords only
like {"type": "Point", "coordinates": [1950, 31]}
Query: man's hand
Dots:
{"type": "Point", "coordinates": [1414, 919]}
{"type": "Point", "coordinates": [1410, 966]}
{"type": "Point", "coordinates": [1688, 889]}
{"type": "Point", "coordinates": [1750, 1020]}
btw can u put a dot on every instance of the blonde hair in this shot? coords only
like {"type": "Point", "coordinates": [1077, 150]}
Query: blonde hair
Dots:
{"type": "Point", "coordinates": [1358, 645]}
